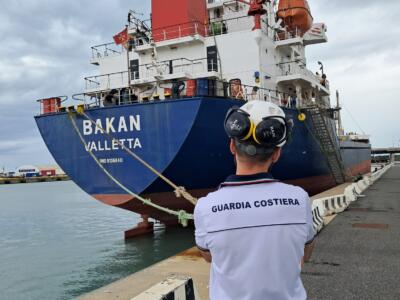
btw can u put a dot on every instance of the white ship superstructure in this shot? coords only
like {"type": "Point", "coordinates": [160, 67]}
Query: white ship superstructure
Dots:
{"type": "Point", "coordinates": [268, 62]}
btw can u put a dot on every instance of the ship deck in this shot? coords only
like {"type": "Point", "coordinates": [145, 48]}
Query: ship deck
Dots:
{"type": "Point", "coordinates": [360, 262]}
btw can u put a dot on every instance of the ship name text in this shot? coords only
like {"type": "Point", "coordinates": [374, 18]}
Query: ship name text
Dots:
{"type": "Point", "coordinates": [112, 125]}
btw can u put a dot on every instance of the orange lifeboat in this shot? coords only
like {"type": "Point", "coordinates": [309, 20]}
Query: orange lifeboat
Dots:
{"type": "Point", "coordinates": [295, 15]}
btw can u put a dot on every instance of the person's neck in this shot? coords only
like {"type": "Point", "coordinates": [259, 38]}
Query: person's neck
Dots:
{"type": "Point", "coordinates": [251, 169]}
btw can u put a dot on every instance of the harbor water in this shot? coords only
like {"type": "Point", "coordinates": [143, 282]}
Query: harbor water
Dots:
{"type": "Point", "coordinates": [56, 242]}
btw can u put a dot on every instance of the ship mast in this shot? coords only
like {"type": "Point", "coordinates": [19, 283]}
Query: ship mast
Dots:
{"type": "Point", "coordinates": [340, 130]}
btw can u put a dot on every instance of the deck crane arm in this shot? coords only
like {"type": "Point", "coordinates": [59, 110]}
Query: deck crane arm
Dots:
{"type": "Point", "coordinates": [256, 9]}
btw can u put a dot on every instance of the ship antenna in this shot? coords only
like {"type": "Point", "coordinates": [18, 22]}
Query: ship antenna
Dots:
{"type": "Point", "coordinates": [339, 117]}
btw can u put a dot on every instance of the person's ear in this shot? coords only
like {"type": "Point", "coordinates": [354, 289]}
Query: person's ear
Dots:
{"type": "Point", "coordinates": [276, 155]}
{"type": "Point", "coordinates": [232, 147]}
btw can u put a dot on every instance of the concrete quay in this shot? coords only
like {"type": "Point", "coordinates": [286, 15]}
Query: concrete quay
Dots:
{"type": "Point", "coordinates": [16, 180]}
{"type": "Point", "coordinates": [356, 256]}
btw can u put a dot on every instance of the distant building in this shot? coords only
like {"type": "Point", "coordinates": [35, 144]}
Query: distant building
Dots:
{"type": "Point", "coordinates": [28, 171]}
{"type": "Point", "coordinates": [50, 170]}
{"type": "Point", "coordinates": [36, 171]}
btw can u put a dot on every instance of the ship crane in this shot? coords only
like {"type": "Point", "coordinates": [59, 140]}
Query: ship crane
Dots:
{"type": "Point", "coordinates": [257, 10]}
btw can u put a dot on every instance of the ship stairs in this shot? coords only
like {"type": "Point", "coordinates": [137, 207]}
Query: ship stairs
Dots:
{"type": "Point", "coordinates": [325, 135]}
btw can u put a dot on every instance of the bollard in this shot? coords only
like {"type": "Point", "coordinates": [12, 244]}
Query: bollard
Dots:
{"type": "Point", "coordinates": [174, 287]}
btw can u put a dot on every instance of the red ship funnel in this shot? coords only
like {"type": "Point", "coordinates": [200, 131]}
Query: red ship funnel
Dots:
{"type": "Point", "coordinates": [172, 19]}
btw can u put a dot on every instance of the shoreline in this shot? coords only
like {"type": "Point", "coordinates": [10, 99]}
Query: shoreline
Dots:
{"type": "Point", "coordinates": [20, 180]}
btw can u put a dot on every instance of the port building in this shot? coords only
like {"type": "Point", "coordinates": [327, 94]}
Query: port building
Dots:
{"type": "Point", "coordinates": [39, 170]}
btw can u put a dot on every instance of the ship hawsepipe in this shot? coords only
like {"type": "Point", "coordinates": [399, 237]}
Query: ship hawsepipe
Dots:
{"type": "Point", "coordinates": [185, 140]}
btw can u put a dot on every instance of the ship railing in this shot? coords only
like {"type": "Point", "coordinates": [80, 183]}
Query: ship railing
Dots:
{"type": "Point", "coordinates": [107, 81]}
{"type": "Point", "coordinates": [181, 67]}
{"type": "Point", "coordinates": [105, 50]}
{"type": "Point", "coordinates": [214, 28]}
{"type": "Point", "coordinates": [135, 23]}
{"type": "Point", "coordinates": [286, 35]}
{"type": "Point", "coordinates": [178, 31]}
{"type": "Point", "coordinates": [232, 4]}
{"type": "Point", "coordinates": [223, 26]}
{"type": "Point", "coordinates": [299, 67]}
{"type": "Point", "coordinates": [90, 100]}
{"type": "Point", "coordinates": [250, 93]}
{"type": "Point", "coordinates": [292, 67]}
{"type": "Point", "coordinates": [192, 67]}
{"type": "Point", "coordinates": [216, 88]}
{"type": "Point", "coordinates": [121, 96]}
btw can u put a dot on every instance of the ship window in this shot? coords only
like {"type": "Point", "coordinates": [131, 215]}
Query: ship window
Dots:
{"type": "Point", "coordinates": [212, 59]}
{"type": "Point", "coordinates": [134, 69]}
{"type": "Point", "coordinates": [217, 13]}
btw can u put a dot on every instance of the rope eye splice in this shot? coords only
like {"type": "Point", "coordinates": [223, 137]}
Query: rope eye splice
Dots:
{"type": "Point", "coordinates": [183, 216]}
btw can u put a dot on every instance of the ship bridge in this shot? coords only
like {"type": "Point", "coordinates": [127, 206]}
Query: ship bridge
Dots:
{"type": "Point", "coordinates": [296, 71]}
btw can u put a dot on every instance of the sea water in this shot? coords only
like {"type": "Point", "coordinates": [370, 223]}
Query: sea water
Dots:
{"type": "Point", "coordinates": [56, 242]}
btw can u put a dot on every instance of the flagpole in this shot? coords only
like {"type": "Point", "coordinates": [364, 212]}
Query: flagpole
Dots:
{"type": "Point", "coordinates": [127, 58]}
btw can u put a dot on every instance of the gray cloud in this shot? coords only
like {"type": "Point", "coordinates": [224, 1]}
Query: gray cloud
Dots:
{"type": "Point", "coordinates": [45, 51]}
{"type": "Point", "coordinates": [362, 62]}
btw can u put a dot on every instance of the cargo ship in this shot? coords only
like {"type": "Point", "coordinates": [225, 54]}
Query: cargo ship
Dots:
{"type": "Point", "coordinates": [164, 87]}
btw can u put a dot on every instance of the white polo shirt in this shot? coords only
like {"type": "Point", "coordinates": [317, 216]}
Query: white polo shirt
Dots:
{"type": "Point", "coordinates": [256, 229]}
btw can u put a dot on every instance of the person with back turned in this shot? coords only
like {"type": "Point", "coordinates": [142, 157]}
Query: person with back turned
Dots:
{"type": "Point", "coordinates": [255, 230]}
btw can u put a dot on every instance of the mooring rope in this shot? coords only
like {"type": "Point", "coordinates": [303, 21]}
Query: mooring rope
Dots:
{"type": "Point", "coordinates": [182, 215]}
{"type": "Point", "coordinates": [179, 191]}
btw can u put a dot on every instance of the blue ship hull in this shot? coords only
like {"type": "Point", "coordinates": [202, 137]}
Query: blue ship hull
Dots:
{"type": "Point", "coordinates": [184, 140]}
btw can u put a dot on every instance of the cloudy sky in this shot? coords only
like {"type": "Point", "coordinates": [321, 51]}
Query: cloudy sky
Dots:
{"type": "Point", "coordinates": [45, 51]}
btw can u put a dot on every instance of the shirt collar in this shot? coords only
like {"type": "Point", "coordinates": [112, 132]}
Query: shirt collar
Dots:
{"type": "Point", "coordinates": [237, 180]}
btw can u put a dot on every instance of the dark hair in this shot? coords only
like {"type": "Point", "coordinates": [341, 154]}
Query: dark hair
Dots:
{"type": "Point", "coordinates": [257, 158]}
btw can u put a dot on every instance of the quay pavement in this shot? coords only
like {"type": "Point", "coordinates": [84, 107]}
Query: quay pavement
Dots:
{"type": "Point", "coordinates": [358, 255]}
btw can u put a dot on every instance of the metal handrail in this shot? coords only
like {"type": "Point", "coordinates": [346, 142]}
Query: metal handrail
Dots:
{"type": "Point", "coordinates": [197, 27]}
{"type": "Point", "coordinates": [150, 70]}
{"type": "Point", "coordinates": [125, 96]}
{"type": "Point", "coordinates": [93, 79]}
{"type": "Point", "coordinates": [286, 35]}
{"type": "Point", "coordinates": [299, 67]}
{"type": "Point", "coordinates": [102, 50]}
{"type": "Point", "coordinates": [178, 30]}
